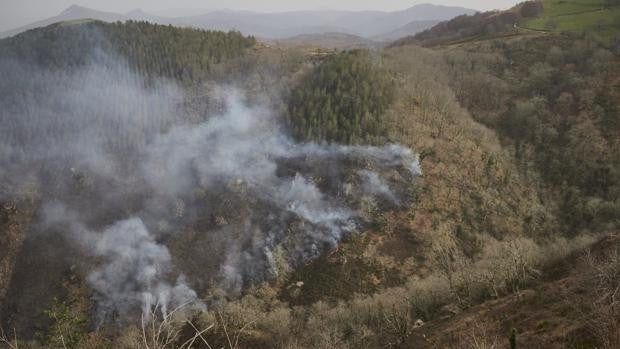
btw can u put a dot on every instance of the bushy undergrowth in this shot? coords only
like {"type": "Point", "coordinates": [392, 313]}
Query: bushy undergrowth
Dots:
{"type": "Point", "coordinates": [387, 318]}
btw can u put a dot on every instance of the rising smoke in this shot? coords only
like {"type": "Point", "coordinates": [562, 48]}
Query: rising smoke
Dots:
{"type": "Point", "coordinates": [134, 268]}
{"type": "Point", "coordinates": [121, 169]}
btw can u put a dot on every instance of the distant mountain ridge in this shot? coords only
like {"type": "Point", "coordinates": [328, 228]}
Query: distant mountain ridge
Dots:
{"type": "Point", "coordinates": [329, 41]}
{"type": "Point", "coordinates": [479, 25]}
{"type": "Point", "coordinates": [376, 25]}
{"type": "Point", "coordinates": [408, 29]}
{"type": "Point", "coordinates": [73, 12]}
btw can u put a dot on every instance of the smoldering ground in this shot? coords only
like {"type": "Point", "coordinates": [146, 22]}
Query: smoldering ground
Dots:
{"type": "Point", "coordinates": [163, 205]}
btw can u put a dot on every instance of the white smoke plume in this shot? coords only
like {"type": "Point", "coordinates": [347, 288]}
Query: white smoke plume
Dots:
{"type": "Point", "coordinates": [133, 269]}
{"type": "Point", "coordinates": [372, 183]}
{"type": "Point", "coordinates": [132, 169]}
{"type": "Point", "coordinates": [244, 146]}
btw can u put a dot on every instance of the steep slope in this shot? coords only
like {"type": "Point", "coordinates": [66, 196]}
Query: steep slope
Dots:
{"type": "Point", "coordinates": [518, 142]}
{"type": "Point", "coordinates": [111, 73]}
{"type": "Point", "coordinates": [245, 207]}
{"type": "Point", "coordinates": [477, 26]}
{"type": "Point", "coordinates": [65, 46]}
{"type": "Point", "coordinates": [566, 307]}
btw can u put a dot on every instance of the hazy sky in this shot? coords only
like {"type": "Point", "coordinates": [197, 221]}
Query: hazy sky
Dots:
{"type": "Point", "coordinates": [14, 13]}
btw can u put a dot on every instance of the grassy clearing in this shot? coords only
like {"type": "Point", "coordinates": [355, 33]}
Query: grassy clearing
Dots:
{"type": "Point", "coordinates": [579, 16]}
{"type": "Point", "coordinates": [554, 8]}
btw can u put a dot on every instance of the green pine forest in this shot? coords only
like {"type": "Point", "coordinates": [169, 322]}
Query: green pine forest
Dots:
{"type": "Point", "coordinates": [343, 100]}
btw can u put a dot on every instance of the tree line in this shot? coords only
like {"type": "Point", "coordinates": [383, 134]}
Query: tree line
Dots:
{"type": "Point", "coordinates": [154, 50]}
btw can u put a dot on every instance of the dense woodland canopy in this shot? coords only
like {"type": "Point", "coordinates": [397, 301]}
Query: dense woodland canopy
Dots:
{"type": "Point", "coordinates": [342, 100]}
{"type": "Point", "coordinates": [557, 109]}
{"type": "Point", "coordinates": [39, 66]}
{"type": "Point", "coordinates": [153, 50]}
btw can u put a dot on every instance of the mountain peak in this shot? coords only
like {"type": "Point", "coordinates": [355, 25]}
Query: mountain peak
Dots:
{"type": "Point", "coordinates": [426, 11]}
{"type": "Point", "coordinates": [136, 12]}
{"type": "Point", "coordinates": [73, 9]}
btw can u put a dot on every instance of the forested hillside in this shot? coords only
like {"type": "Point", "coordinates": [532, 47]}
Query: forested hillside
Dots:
{"type": "Point", "coordinates": [597, 19]}
{"type": "Point", "coordinates": [476, 26]}
{"type": "Point", "coordinates": [153, 50]}
{"type": "Point", "coordinates": [343, 100]}
{"type": "Point", "coordinates": [176, 188]}
{"type": "Point", "coordinates": [557, 111]}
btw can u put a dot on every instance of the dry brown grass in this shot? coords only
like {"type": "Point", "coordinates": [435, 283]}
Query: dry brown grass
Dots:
{"type": "Point", "coordinates": [603, 284]}
{"type": "Point", "coordinates": [162, 331]}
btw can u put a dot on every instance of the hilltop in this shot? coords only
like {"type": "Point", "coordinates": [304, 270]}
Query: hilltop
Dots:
{"type": "Point", "coordinates": [71, 13]}
{"type": "Point", "coordinates": [597, 17]}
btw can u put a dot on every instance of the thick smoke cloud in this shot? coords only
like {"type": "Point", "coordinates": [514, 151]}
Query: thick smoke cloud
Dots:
{"type": "Point", "coordinates": [133, 270]}
{"type": "Point", "coordinates": [121, 169]}
{"type": "Point", "coordinates": [245, 147]}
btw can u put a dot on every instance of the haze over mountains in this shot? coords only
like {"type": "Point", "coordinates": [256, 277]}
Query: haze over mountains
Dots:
{"type": "Point", "coordinates": [375, 25]}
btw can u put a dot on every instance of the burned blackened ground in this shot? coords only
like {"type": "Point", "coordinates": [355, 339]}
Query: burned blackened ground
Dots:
{"type": "Point", "coordinates": [152, 207]}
